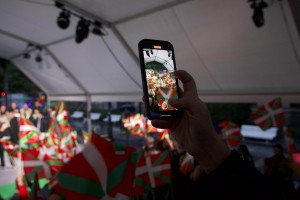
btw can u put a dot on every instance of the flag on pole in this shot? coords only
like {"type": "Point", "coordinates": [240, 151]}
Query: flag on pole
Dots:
{"type": "Point", "coordinates": [105, 166]}
{"type": "Point", "coordinates": [11, 149]}
{"type": "Point", "coordinates": [135, 124]}
{"type": "Point", "coordinates": [164, 135]}
{"type": "Point", "coordinates": [187, 164]}
{"type": "Point", "coordinates": [152, 129]}
{"type": "Point", "coordinates": [86, 136]}
{"type": "Point", "coordinates": [151, 171]}
{"type": "Point", "coordinates": [232, 133]}
{"type": "Point", "coordinates": [28, 133]}
{"type": "Point", "coordinates": [269, 115]}
{"type": "Point", "coordinates": [33, 163]}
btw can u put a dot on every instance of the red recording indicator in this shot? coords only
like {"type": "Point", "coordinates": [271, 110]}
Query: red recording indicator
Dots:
{"type": "Point", "coordinates": [157, 47]}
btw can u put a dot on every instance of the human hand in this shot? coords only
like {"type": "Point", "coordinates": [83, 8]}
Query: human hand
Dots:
{"type": "Point", "coordinates": [194, 130]}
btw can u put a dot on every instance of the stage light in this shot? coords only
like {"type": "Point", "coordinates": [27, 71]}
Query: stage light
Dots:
{"type": "Point", "coordinates": [38, 57]}
{"type": "Point", "coordinates": [63, 20]}
{"type": "Point", "coordinates": [258, 15]}
{"type": "Point", "coordinates": [97, 30]}
{"type": "Point", "coordinates": [26, 55]}
{"type": "Point", "coordinates": [82, 30]}
{"type": "Point", "coordinates": [3, 94]}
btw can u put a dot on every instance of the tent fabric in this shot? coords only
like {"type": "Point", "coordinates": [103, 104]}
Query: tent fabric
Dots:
{"type": "Point", "coordinates": [216, 41]}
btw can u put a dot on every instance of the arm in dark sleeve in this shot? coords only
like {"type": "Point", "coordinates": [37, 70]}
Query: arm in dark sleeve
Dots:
{"type": "Point", "coordinates": [236, 179]}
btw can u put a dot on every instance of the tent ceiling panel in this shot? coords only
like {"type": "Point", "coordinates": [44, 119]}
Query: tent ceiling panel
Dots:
{"type": "Point", "coordinates": [165, 26]}
{"type": "Point", "coordinates": [35, 22]}
{"type": "Point", "coordinates": [240, 46]}
{"type": "Point", "coordinates": [10, 47]}
{"type": "Point", "coordinates": [94, 66]}
{"type": "Point", "coordinates": [116, 10]}
{"type": "Point", "coordinates": [238, 58]}
{"type": "Point", "coordinates": [47, 75]}
{"type": "Point", "coordinates": [216, 41]}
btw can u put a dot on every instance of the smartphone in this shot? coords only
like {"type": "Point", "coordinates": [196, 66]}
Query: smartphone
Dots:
{"type": "Point", "coordinates": [157, 62]}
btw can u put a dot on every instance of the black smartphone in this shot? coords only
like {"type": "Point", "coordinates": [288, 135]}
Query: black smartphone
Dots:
{"type": "Point", "coordinates": [157, 61]}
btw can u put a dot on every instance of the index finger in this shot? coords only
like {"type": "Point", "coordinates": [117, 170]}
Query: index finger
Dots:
{"type": "Point", "coordinates": [188, 81]}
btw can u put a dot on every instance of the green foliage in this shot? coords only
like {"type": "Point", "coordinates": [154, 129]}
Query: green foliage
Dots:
{"type": "Point", "coordinates": [17, 81]}
{"type": "Point", "coordinates": [238, 113]}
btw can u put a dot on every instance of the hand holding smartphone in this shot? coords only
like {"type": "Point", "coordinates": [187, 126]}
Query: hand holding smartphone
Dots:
{"type": "Point", "coordinates": [157, 61]}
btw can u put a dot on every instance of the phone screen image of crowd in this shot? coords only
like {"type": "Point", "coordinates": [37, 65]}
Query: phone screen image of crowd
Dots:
{"type": "Point", "coordinates": [161, 82]}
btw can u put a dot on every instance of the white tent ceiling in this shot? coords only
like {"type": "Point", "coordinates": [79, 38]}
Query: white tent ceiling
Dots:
{"type": "Point", "coordinates": [215, 40]}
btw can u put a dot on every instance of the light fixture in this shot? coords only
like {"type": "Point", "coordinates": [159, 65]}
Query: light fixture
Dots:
{"type": "Point", "coordinates": [258, 15]}
{"type": "Point", "coordinates": [97, 30]}
{"type": "Point", "coordinates": [82, 30]}
{"type": "Point", "coordinates": [63, 20]}
{"type": "Point", "coordinates": [38, 57]}
{"type": "Point", "coordinates": [26, 53]}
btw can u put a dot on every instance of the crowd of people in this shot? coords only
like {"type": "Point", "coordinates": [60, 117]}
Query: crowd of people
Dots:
{"type": "Point", "coordinates": [9, 123]}
{"type": "Point", "coordinates": [217, 171]}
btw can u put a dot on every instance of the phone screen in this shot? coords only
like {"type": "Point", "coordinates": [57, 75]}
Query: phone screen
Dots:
{"type": "Point", "coordinates": [161, 83]}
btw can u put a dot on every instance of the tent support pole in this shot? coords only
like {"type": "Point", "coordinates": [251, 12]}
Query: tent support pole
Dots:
{"type": "Point", "coordinates": [88, 113]}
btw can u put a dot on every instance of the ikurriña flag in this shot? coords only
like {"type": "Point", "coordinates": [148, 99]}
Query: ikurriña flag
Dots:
{"type": "Point", "coordinates": [28, 133]}
{"type": "Point", "coordinates": [186, 163]}
{"type": "Point", "coordinates": [151, 170]}
{"type": "Point", "coordinates": [108, 172]}
{"type": "Point", "coordinates": [232, 133]}
{"type": "Point", "coordinates": [11, 149]}
{"type": "Point", "coordinates": [269, 115]}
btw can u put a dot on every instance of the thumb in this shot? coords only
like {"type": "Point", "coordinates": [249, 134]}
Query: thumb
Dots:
{"type": "Point", "coordinates": [178, 103]}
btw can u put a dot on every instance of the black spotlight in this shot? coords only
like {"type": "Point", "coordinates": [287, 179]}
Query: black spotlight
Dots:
{"type": "Point", "coordinates": [82, 30]}
{"type": "Point", "coordinates": [26, 55]}
{"type": "Point", "coordinates": [258, 15]}
{"type": "Point", "coordinates": [97, 30]}
{"type": "Point", "coordinates": [38, 58]}
{"type": "Point", "coordinates": [63, 20]}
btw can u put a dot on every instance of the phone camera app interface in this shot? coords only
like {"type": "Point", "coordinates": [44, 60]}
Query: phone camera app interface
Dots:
{"type": "Point", "coordinates": [161, 83]}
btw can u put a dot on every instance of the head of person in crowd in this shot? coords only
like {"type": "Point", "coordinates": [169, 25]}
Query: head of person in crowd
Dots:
{"type": "Point", "coordinates": [3, 109]}
{"type": "Point", "coordinates": [278, 150]}
{"type": "Point", "coordinates": [14, 106]}
{"type": "Point", "coordinates": [37, 114]}
{"type": "Point", "coordinates": [149, 144]}
{"type": "Point", "coordinates": [11, 113]}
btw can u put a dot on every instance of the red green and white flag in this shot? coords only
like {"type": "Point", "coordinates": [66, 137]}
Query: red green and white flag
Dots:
{"type": "Point", "coordinates": [232, 133]}
{"type": "Point", "coordinates": [152, 171]}
{"type": "Point", "coordinates": [165, 135]}
{"type": "Point", "coordinates": [62, 118]}
{"type": "Point", "coordinates": [142, 181]}
{"type": "Point", "coordinates": [152, 129]}
{"type": "Point", "coordinates": [86, 136]}
{"type": "Point", "coordinates": [187, 164]}
{"type": "Point", "coordinates": [33, 163]}
{"type": "Point", "coordinates": [269, 115]}
{"type": "Point", "coordinates": [163, 95]}
{"type": "Point", "coordinates": [105, 166]}
{"type": "Point", "coordinates": [11, 149]}
{"type": "Point", "coordinates": [28, 133]}
{"type": "Point", "coordinates": [135, 124]}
